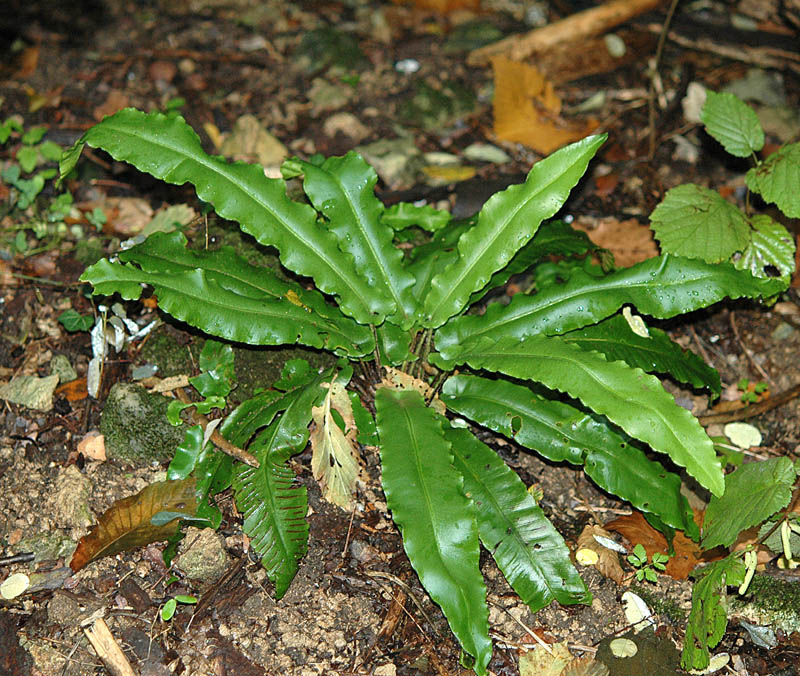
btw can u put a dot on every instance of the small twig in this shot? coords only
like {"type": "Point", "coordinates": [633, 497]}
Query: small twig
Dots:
{"type": "Point", "coordinates": [700, 347]}
{"type": "Point", "coordinates": [751, 410]}
{"type": "Point", "coordinates": [747, 351]}
{"type": "Point", "coordinates": [106, 646]}
{"type": "Point", "coordinates": [25, 557]}
{"type": "Point", "coordinates": [42, 280]}
{"type": "Point", "coordinates": [407, 589]}
{"type": "Point", "coordinates": [527, 629]}
{"type": "Point", "coordinates": [651, 97]}
{"type": "Point", "coordinates": [349, 531]}
{"type": "Point", "coordinates": [217, 439]}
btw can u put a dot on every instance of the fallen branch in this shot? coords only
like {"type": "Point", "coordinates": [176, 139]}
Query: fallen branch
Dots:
{"type": "Point", "coordinates": [751, 410]}
{"type": "Point", "coordinates": [571, 29]}
{"type": "Point", "coordinates": [106, 646]}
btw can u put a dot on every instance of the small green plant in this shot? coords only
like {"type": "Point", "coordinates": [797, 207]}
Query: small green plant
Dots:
{"type": "Point", "coordinates": [756, 493]}
{"type": "Point", "coordinates": [647, 570]}
{"type": "Point", "coordinates": [699, 223]}
{"type": "Point", "coordinates": [73, 321]}
{"type": "Point", "coordinates": [751, 392]}
{"type": "Point", "coordinates": [168, 609]}
{"type": "Point", "coordinates": [562, 371]}
{"type": "Point", "coordinates": [26, 176]}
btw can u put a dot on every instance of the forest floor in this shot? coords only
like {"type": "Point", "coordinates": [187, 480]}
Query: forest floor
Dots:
{"type": "Point", "coordinates": [263, 80]}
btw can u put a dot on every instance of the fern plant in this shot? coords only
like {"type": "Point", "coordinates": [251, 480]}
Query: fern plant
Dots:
{"type": "Point", "coordinates": [559, 371]}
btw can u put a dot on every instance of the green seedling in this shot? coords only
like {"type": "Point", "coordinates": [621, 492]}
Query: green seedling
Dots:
{"type": "Point", "coordinates": [559, 372]}
{"type": "Point", "coordinates": [168, 609]}
{"type": "Point", "coordinates": [751, 392]}
{"type": "Point", "coordinates": [647, 570]}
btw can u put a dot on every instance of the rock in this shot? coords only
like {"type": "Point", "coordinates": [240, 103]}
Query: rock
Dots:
{"type": "Point", "coordinates": [60, 366]}
{"type": "Point", "coordinates": [135, 426]}
{"type": "Point", "coordinates": [30, 391]}
{"type": "Point", "coordinates": [68, 502]}
{"type": "Point", "coordinates": [347, 124]}
{"type": "Point", "coordinates": [47, 546]}
{"type": "Point", "coordinates": [202, 555]}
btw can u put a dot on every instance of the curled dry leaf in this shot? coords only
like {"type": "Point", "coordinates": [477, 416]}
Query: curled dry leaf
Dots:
{"type": "Point", "coordinates": [607, 560]}
{"type": "Point", "coordinates": [334, 461]}
{"type": "Point", "coordinates": [399, 380]}
{"type": "Point", "coordinates": [585, 666]}
{"type": "Point", "coordinates": [540, 662]}
{"type": "Point", "coordinates": [527, 109]}
{"type": "Point", "coordinates": [126, 524]}
{"type": "Point", "coordinates": [93, 446]}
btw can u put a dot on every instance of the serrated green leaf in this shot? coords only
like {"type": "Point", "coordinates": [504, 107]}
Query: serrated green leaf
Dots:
{"type": "Point", "coordinates": [274, 505]}
{"type": "Point", "coordinates": [771, 244]}
{"type": "Point", "coordinates": [27, 156]}
{"type": "Point", "coordinates": [169, 149]}
{"type": "Point", "coordinates": [405, 215]}
{"type": "Point", "coordinates": [709, 616]}
{"type": "Point", "coordinates": [514, 529]}
{"type": "Point", "coordinates": [753, 493]}
{"type": "Point", "coordinates": [776, 179]}
{"type": "Point", "coordinates": [628, 397]}
{"type": "Point", "coordinates": [656, 354]}
{"type": "Point", "coordinates": [661, 287]}
{"type": "Point", "coordinates": [505, 224]}
{"type": "Point", "coordinates": [221, 294]}
{"type": "Point", "coordinates": [561, 432]}
{"type": "Point", "coordinates": [343, 189]}
{"type": "Point", "coordinates": [72, 321]}
{"type": "Point", "coordinates": [426, 496]}
{"type": "Point", "coordinates": [696, 222]}
{"type": "Point", "coordinates": [733, 123]}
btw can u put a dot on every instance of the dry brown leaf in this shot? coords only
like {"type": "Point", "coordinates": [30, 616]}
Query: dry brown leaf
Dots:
{"type": "Point", "coordinates": [540, 662]}
{"type": "Point", "coordinates": [127, 216]}
{"type": "Point", "coordinates": [585, 666]}
{"type": "Point", "coordinates": [629, 241]}
{"type": "Point", "coordinates": [399, 380]}
{"type": "Point", "coordinates": [636, 530]}
{"type": "Point", "coordinates": [608, 560]}
{"type": "Point", "coordinates": [115, 102]}
{"type": "Point", "coordinates": [93, 446]}
{"type": "Point", "coordinates": [126, 524]}
{"type": "Point", "coordinates": [526, 109]}
{"type": "Point", "coordinates": [335, 462]}
{"type": "Point", "coordinates": [28, 61]}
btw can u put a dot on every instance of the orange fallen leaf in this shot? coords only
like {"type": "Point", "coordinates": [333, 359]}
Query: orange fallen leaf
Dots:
{"type": "Point", "coordinates": [527, 109]}
{"type": "Point", "coordinates": [28, 61]}
{"type": "Point", "coordinates": [636, 530]}
{"type": "Point", "coordinates": [126, 524]}
{"type": "Point", "coordinates": [630, 241]}
{"type": "Point", "coordinates": [115, 101]}
{"type": "Point", "coordinates": [74, 390]}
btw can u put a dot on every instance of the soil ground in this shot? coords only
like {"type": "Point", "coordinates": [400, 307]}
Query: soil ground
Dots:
{"type": "Point", "coordinates": [356, 605]}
